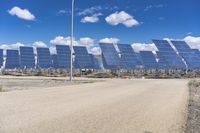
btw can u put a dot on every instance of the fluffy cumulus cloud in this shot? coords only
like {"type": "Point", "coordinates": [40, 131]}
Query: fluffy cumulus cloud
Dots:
{"type": "Point", "coordinates": [60, 40]}
{"type": "Point", "coordinates": [144, 47]}
{"type": "Point", "coordinates": [121, 18]}
{"type": "Point", "coordinates": [91, 19]}
{"type": "Point", "coordinates": [53, 50]}
{"type": "Point", "coordinates": [109, 40]}
{"type": "Point", "coordinates": [87, 41]}
{"type": "Point", "coordinates": [194, 42]}
{"type": "Point", "coordinates": [10, 46]}
{"type": "Point", "coordinates": [39, 44]}
{"type": "Point", "coordinates": [21, 13]}
{"type": "Point", "coordinates": [95, 50]}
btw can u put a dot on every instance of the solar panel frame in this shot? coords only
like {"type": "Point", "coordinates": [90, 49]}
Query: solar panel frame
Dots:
{"type": "Point", "coordinates": [82, 58]}
{"type": "Point", "coordinates": [12, 59]}
{"type": "Point", "coordinates": [148, 60]}
{"type": "Point", "coordinates": [110, 56]}
{"type": "Point", "coordinates": [44, 59]}
{"type": "Point", "coordinates": [192, 58]}
{"type": "Point", "coordinates": [128, 57]}
{"type": "Point", "coordinates": [63, 56]}
{"type": "Point", "coordinates": [27, 58]}
{"type": "Point", "coordinates": [173, 60]}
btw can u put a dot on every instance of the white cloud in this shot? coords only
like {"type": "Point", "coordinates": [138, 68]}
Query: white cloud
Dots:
{"type": "Point", "coordinates": [153, 6]}
{"type": "Point", "coordinates": [90, 11]}
{"type": "Point", "coordinates": [11, 46]}
{"type": "Point", "coordinates": [63, 12]}
{"type": "Point", "coordinates": [87, 41]}
{"type": "Point", "coordinates": [121, 18]}
{"type": "Point", "coordinates": [144, 47]}
{"type": "Point", "coordinates": [21, 13]}
{"type": "Point", "coordinates": [194, 42]}
{"type": "Point", "coordinates": [91, 19]}
{"type": "Point", "coordinates": [96, 50]}
{"type": "Point", "coordinates": [39, 44]}
{"type": "Point", "coordinates": [53, 50]}
{"type": "Point", "coordinates": [109, 40]}
{"type": "Point", "coordinates": [60, 40]}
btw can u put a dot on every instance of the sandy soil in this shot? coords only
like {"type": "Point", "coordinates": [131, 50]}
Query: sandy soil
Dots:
{"type": "Point", "coordinates": [113, 106]}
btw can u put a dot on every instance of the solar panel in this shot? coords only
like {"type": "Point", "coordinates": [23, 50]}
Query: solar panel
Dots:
{"type": "Point", "coordinates": [95, 61]}
{"type": "Point", "coordinates": [167, 53]}
{"type": "Point", "coordinates": [128, 56]}
{"type": "Point", "coordinates": [12, 59]}
{"type": "Point", "coordinates": [63, 56]}
{"type": "Point", "coordinates": [1, 57]}
{"type": "Point", "coordinates": [148, 60]}
{"type": "Point", "coordinates": [82, 59]}
{"type": "Point", "coordinates": [27, 57]}
{"type": "Point", "coordinates": [44, 59]}
{"type": "Point", "coordinates": [54, 61]}
{"type": "Point", "coordinates": [110, 56]}
{"type": "Point", "coordinates": [191, 57]}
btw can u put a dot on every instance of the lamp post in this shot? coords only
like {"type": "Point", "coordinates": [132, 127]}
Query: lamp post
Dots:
{"type": "Point", "coordinates": [72, 37]}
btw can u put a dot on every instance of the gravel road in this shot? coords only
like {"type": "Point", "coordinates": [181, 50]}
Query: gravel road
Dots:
{"type": "Point", "coordinates": [113, 106]}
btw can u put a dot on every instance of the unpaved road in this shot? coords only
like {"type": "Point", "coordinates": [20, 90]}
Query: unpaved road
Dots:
{"type": "Point", "coordinates": [114, 106]}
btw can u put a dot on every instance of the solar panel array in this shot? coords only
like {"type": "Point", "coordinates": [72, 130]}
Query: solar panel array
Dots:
{"type": "Point", "coordinates": [44, 59]}
{"type": "Point", "coordinates": [148, 60]}
{"type": "Point", "coordinates": [63, 56]}
{"type": "Point", "coordinates": [27, 57]}
{"type": "Point", "coordinates": [168, 55]}
{"type": "Point", "coordinates": [110, 56]}
{"type": "Point", "coordinates": [1, 57]}
{"type": "Point", "coordinates": [12, 59]}
{"type": "Point", "coordinates": [82, 59]}
{"type": "Point", "coordinates": [128, 57]}
{"type": "Point", "coordinates": [191, 57]}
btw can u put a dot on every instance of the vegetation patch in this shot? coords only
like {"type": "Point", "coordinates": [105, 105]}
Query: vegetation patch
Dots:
{"type": "Point", "coordinates": [2, 89]}
{"type": "Point", "coordinates": [193, 118]}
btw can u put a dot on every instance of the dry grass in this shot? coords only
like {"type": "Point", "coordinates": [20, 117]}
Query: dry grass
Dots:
{"type": "Point", "coordinates": [2, 89]}
{"type": "Point", "coordinates": [193, 119]}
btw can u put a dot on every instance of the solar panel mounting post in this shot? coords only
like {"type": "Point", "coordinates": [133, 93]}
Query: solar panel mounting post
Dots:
{"type": "Point", "coordinates": [72, 36]}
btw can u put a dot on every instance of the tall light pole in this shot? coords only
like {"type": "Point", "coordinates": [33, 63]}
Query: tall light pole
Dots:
{"type": "Point", "coordinates": [72, 37]}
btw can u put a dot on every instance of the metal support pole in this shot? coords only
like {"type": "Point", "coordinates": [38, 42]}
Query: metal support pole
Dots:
{"type": "Point", "coordinates": [72, 41]}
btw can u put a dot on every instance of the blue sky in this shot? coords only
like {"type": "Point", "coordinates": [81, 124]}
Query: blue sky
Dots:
{"type": "Point", "coordinates": [144, 20]}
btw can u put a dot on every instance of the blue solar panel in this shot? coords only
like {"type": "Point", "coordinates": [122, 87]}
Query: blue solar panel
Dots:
{"type": "Point", "coordinates": [191, 57]}
{"type": "Point", "coordinates": [96, 62]}
{"type": "Point", "coordinates": [54, 61]}
{"type": "Point", "coordinates": [1, 57]}
{"type": "Point", "coordinates": [128, 57]}
{"type": "Point", "coordinates": [110, 56]}
{"type": "Point", "coordinates": [167, 53]}
{"type": "Point", "coordinates": [44, 59]}
{"type": "Point", "coordinates": [149, 60]}
{"type": "Point", "coordinates": [12, 59]}
{"type": "Point", "coordinates": [27, 57]}
{"type": "Point", "coordinates": [63, 56]}
{"type": "Point", "coordinates": [82, 59]}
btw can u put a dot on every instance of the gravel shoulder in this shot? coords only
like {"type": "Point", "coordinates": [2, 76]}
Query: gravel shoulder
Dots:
{"type": "Point", "coordinates": [112, 106]}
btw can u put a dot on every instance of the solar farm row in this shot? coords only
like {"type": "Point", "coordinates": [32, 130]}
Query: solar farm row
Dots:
{"type": "Point", "coordinates": [24, 58]}
{"type": "Point", "coordinates": [170, 56]}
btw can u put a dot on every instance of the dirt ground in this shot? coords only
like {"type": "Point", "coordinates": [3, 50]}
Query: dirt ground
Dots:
{"type": "Point", "coordinates": [111, 106]}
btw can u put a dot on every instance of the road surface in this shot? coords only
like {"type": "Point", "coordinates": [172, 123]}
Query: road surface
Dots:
{"type": "Point", "coordinates": [113, 106]}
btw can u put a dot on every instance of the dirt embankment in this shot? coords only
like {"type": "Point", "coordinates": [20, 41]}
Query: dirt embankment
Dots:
{"type": "Point", "coordinates": [193, 120]}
